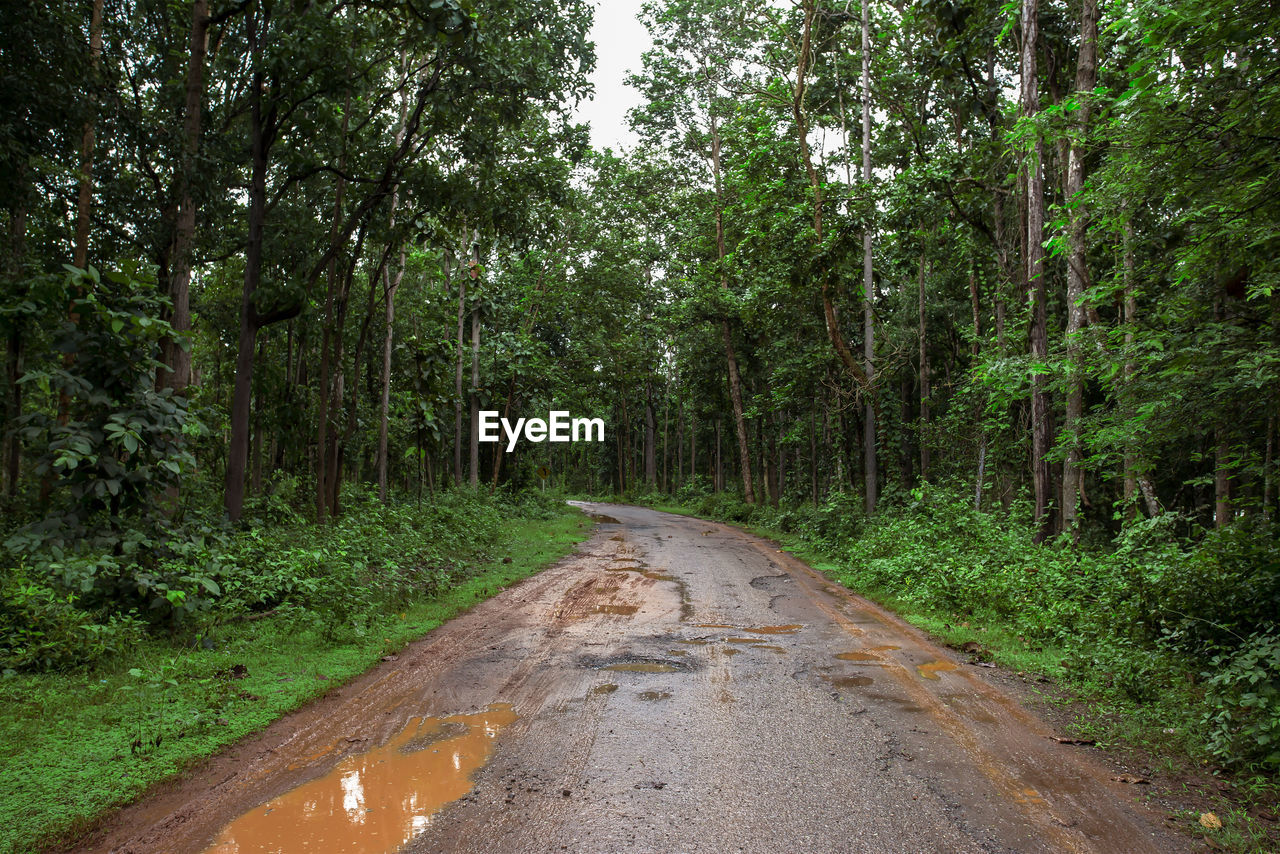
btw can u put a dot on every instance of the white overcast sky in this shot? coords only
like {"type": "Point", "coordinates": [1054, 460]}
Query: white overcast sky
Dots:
{"type": "Point", "coordinates": [620, 39]}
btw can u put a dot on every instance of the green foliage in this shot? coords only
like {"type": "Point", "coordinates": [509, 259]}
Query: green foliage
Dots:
{"type": "Point", "coordinates": [1244, 702]}
{"type": "Point", "coordinates": [42, 627]}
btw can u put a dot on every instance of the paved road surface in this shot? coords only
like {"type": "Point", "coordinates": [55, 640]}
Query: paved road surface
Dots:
{"type": "Point", "coordinates": [677, 686]}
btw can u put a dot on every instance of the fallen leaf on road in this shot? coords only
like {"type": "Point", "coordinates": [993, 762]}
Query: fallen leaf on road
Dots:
{"type": "Point", "coordinates": [1211, 821]}
{"type": "Point", "coordinates": [1088, 742]}
{"type": "Point", "coordinates": [1129, 778]}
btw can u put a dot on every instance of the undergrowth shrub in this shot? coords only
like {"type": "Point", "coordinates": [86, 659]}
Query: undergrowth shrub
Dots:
{"type": "Point", "coordinates": [44, 628]}
{"type": "Point", "coordinates": [61, 608]}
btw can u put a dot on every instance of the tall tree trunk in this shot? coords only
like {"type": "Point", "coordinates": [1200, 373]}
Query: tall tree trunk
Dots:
{"type": "Point", "coordinates": [650, 438]}
{"type": "Point", "coordinates": [666, 420]}
{"type": "Point", "coordinates": [693, 444]}
{"type": "Point", "coordinates": [869, 467]}
{"type": "Point", "coordinates": [458, 398]}
{"type": "Point", "coordinates": [14, 346]}
{"type": "Point", "coordinates": [678, 481]}
{"type": "Point", "coordinates": [718, 473]}
{"type": "Point", "coordinates": [1267, 463]}
{"type": "Point", "coordinates": [238, 448]}
{"type": "Point", "coordinates": [474, 472]}
{"type": "Point", "coordinates": [84, 198]}
{"type": "Point", "coordinates": [325, 477]}
{"type": "Point", "coordinates": [1041, 428]}
{"type": "Point", "coordinates": [924, 369]}
{"type": "Point", "coordinates": [392, 283]}
{"type": "Point", "coordinates": [384, 410]}
{"type": "Point", "coordinates": [1077, 263]}
{"type": "Point", "coordinates": [975, 350]}
{"type": "Point", "coordinates": [813, 456]}
{"type": "Point", "coordinates": [735, 381]}
{"type": "Point", "coordinates": [1221, 477]}
{"type": "Point", "coordinates": [176, 357]}
{"type": "Point", "coordinates": [1130, 318]}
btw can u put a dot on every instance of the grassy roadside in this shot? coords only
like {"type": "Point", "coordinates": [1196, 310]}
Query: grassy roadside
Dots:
{"type": "Point", "coordinates": [1086, 688]}
{"type": "Point", "coordinates": [75, 746]}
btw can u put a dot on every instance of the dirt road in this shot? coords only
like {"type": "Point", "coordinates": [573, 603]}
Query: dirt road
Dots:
{"type": "Point", "coordinates": [677, 686]}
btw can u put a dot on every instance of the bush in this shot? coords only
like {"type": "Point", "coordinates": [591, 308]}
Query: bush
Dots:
{"type": "Point", "coordinates": [67, 608]}
{"type": "Point", "coordinates": [1243, 718]}
{"type": "Point", "coordinates": [42, 628]}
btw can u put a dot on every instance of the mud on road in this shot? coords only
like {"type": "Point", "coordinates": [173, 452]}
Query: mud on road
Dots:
{"type": "Point", "coordinates": [676, 686]}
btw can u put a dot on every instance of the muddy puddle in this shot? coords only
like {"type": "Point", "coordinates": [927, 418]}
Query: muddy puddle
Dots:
{"type": "Point", "coordinates": [607, 688]}
{"type": "Point", "coordinates": [607, 520]}
{"type": "Point", "coordinates": [743, 640]}
{"type": "Point", "coordinates": [643, 667]}
{"type": "Point", "coordinates": [775, 630]}
{"type": "Point", "coordinates": [652, 696]}
{"type": "Point", "coordinates": [623, 610]}
{"type": "Point", "coordinates": [931, 669]}
{"type": "Point", "coordinates": [374, 802]}
{"type": "Point", "coordinates": [863, 657]}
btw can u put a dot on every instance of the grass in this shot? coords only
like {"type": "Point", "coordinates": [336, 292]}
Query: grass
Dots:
{"type": "Point", "coordinates": [73, 747]}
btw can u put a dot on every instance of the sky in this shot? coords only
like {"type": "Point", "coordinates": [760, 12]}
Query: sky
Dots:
{"type": "Point", "coordinates": [620, 40]}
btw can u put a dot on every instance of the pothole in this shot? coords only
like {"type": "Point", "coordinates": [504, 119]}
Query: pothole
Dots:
{"type": "Point", "coordinates": [636, 664]}
{"type": "Point", "coordinates": [607, 688]}
{"type": "Point", "coordinates": [863, 657]}
{"type": "Point", "coordinates": [375, 801]}
{"type": "Point", "coordinates": [644, 667]}
{"type": "Point", "coordinates": [654, 695]}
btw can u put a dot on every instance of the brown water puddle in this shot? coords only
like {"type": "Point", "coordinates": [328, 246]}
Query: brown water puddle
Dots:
{"type": "Point", "coordinates": [696, 641]}
{"type": "Point", "coordinates": [713, 626]}
{"type": "Point", "coordinates": [864, 657]}
{"type": "Point", "coordinates": [607, 688]}
{"type": "Point", "coordinates": [654, 695]}
{"type": "Point", "coordinates": [623, 610]}
{"type": "Point", "coordinates": [374, 802]}
{"type": "Point", "coordinates": [776, 630]}
{"type": "Point", "coordinates": [779, 650]}
{"type": "Point", "coordinates": [744, 640]}
{"type": "Point", "coordinates": [644, 667]}
{"type": "Point", "coordinates": [930, 670]}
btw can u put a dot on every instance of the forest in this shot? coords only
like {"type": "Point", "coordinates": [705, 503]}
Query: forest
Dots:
{"type": "Point", "coordinates": [976, 299]}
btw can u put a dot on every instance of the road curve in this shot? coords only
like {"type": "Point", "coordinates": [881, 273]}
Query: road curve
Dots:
{"type": "Point", "coordinates": [676, 686]}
